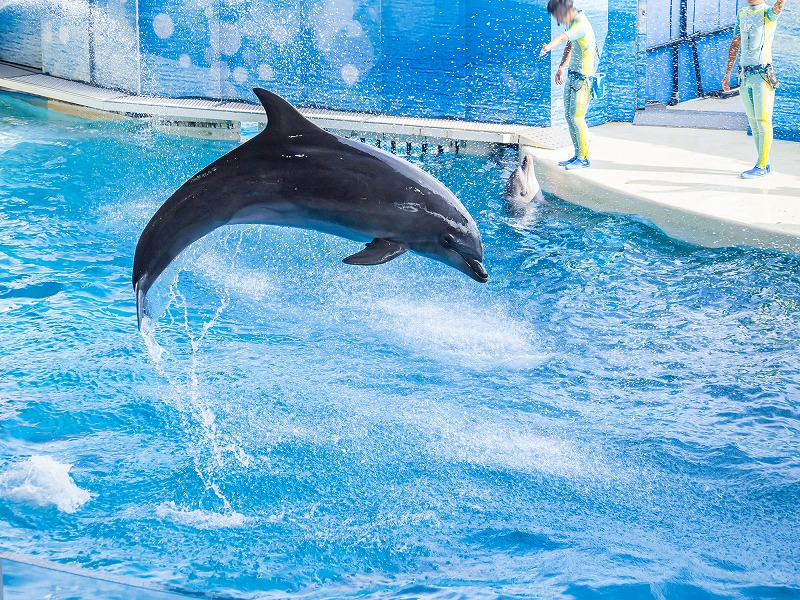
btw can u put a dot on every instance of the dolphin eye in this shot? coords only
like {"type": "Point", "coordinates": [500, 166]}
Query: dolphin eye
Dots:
{"type": "Point", "coordinates": [448, 239]}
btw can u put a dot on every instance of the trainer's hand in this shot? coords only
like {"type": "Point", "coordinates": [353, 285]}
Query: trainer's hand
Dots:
{"type": "Point", "coordinates": [545, 50]}
{"type": "Point", "coordinates": [560, 77]}
{"type": "Point", "coordinates": [726, 83]}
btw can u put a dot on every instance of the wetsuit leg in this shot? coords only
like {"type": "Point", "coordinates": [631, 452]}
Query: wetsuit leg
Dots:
{"type": "Point", "coordinates": [763, 102]}
{"type": "Point", "coordinates": [581, 106]}
{"type": "Point", "coordinates": [758, 99]}
{"type": "Point", "coordinates": [569, 115]}
{"type": "Point", "coordinates": [746, 93]}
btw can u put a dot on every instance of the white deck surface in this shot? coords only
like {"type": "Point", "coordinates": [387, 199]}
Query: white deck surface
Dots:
{"type": "Point", "coordinates": [686, 181]}
{"type": "Point", "coordinates": [732, 104]}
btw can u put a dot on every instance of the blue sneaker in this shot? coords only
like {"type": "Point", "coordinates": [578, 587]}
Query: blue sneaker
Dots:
{"type": "Point", "coordinates": [578, 163]}
{"type": "Point", "coordinates": [564, 163]}
{"type": "Point", "coordinates": [756, 172]}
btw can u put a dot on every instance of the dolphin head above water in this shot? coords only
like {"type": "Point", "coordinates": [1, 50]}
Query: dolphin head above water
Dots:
{"type": "Point", "coordinates": [522, 189]}
{"type": "Point", "coordinates": [457, 247]}
{"type": "Point", "coordinates": [297, 175]}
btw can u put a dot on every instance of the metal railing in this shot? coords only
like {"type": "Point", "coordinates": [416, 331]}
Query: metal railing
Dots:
{"type": "Point", "coordinates": [691, 39]}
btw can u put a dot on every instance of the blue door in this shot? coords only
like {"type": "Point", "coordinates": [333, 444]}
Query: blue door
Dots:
{"type": "Point", "coordinates": [687, 48]}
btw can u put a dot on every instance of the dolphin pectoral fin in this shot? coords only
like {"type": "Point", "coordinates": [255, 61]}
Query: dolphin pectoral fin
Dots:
{"type": "Point", "coordinates": [377, 252]}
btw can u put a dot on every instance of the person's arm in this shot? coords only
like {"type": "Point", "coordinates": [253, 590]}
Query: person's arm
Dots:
{"type": "Point", "coordinates": [733, 52]}
{"type": "Point", "coordinates": [564, 61]}
{"type": "Point", "coordinates": [778, 6]}
{"type": "Point", "coordinates": [554, 43]}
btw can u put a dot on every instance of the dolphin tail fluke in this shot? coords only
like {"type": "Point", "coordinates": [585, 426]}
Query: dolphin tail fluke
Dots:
{"type": "Point", "coordinates": [141, 305]}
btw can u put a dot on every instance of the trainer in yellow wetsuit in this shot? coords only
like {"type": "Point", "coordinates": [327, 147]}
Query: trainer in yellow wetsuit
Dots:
{"type": "Point", "coordinates": [581, 54]}
{"type": "Point", "coordinates": [754, 32]}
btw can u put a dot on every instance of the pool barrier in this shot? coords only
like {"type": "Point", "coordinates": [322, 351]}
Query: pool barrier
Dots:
{"type": "Point", "coordinates": [23, 576]}
{"type": "Point", "coordinates": [225, 119]}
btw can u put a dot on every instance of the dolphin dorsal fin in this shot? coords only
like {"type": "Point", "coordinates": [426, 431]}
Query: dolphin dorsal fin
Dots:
{"type": "Point", "coordinates": [283, 119]}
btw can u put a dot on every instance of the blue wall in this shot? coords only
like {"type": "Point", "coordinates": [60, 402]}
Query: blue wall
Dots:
{"type": "Point", "coordinates": [20, 34]}
{"type": "Point", "coordinates": [663, 24]}
{"type": "Point", "coordinates": [468, 59]}
{"type": "Point", "coordinates": [786, 57]}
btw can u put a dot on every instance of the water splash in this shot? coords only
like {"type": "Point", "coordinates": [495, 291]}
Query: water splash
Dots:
{"type": "Point", "coordinates": [207, 446]}
{"type": "Point", "coordinates": [458, 331]}
{"type": "Point", "coordinates": [201, 519]}
{"type": "Point", "coordinates": [42, 480]}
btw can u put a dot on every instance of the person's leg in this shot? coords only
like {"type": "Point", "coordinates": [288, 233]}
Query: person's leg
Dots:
{"type": "Point", "coordinates": [746, 92]}
{"type": "Point", "coordinates": [581, 106]}
{"type": "Point", "coordinates": [763, 102]}
{"type": "Point", "coordinates": [569, 114]}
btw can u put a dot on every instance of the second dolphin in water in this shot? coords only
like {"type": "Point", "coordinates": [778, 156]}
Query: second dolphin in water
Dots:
{"type": "Point", "coordinates": [522, 190]}
{"type": "Point", "coordinates": [295, 174]}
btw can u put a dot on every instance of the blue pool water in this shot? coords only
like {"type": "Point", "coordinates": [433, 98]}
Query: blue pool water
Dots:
{"type": "Point", "coordinates": [615, 415]}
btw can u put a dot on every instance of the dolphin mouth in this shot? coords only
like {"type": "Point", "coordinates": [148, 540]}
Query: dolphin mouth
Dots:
{"type": "Point", "coordinates": [476, 269]}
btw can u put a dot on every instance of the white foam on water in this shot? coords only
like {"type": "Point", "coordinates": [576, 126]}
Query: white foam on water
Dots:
{"type": "Point", "coordinates": [499, 447]}
{"type": "Point", "coordinates": [476, 337]}
{"type": "Point", "coordinates": [493, 439]}
{"type": "Point", "coordinates": [248, 282]}
{"type": "Point", "coordinates": [41, 480]}
{"type": "Point", "coordinates": [8, 139]}
{"type": "Point", "coordinates": [200, 519]}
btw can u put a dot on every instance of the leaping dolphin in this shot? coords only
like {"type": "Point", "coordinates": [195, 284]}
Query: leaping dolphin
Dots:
{"type": "Point", "coordinates": [295, 174]}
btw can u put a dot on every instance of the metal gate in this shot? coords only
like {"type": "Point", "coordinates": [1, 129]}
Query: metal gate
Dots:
{"type": "Point", "coordinates": [687, 48]}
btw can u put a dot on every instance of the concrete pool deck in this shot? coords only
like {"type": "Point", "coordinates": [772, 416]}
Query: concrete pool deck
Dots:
{"type": "Point", "coordinates": [686, 182]}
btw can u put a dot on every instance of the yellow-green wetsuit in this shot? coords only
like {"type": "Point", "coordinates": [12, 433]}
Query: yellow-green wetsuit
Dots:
{"type": "Point", "coordinates": [756, 25]}
{"type": "Point", "coordinates": [583, 59]}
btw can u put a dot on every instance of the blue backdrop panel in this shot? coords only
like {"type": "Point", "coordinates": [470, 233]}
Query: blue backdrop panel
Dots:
{"type": "Point", "coordinates": [65, 41]}
{"type": "Point", "coordinates": [713, 56]}
{"type": "Point", "coordinates": [180, 48]}
{"type": "Point", "coordinates": [663, 23]}
{"type": "Point", "coordinates": [687, 76]}
{"type": "Point", "coordinates": [786, 59]}
{"type": "Point", "coordinates": [115, 44]}
{"type": "Point", "coordinates": [708, 15]}
{"type": "Point", "coordinates": [344, 53]}
{"type": "Point", "coordinates": [263, 43]}
{"type": "Point", "coordinates": [21, 35]}
{"type": "Point", "coordinates": [659, 75]}
{"type": "Point", "coordinates": [618, 61]}
{"type": "Point", "coordinates": [424, 57]}
{"type": "Point", "coordinates": [507, 80]}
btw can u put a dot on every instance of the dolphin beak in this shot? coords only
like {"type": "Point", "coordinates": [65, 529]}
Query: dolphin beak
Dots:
{"type": "Point", "coordinates": [476, 269]}
{"type": "Point", "coordinates": [468, 265]}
